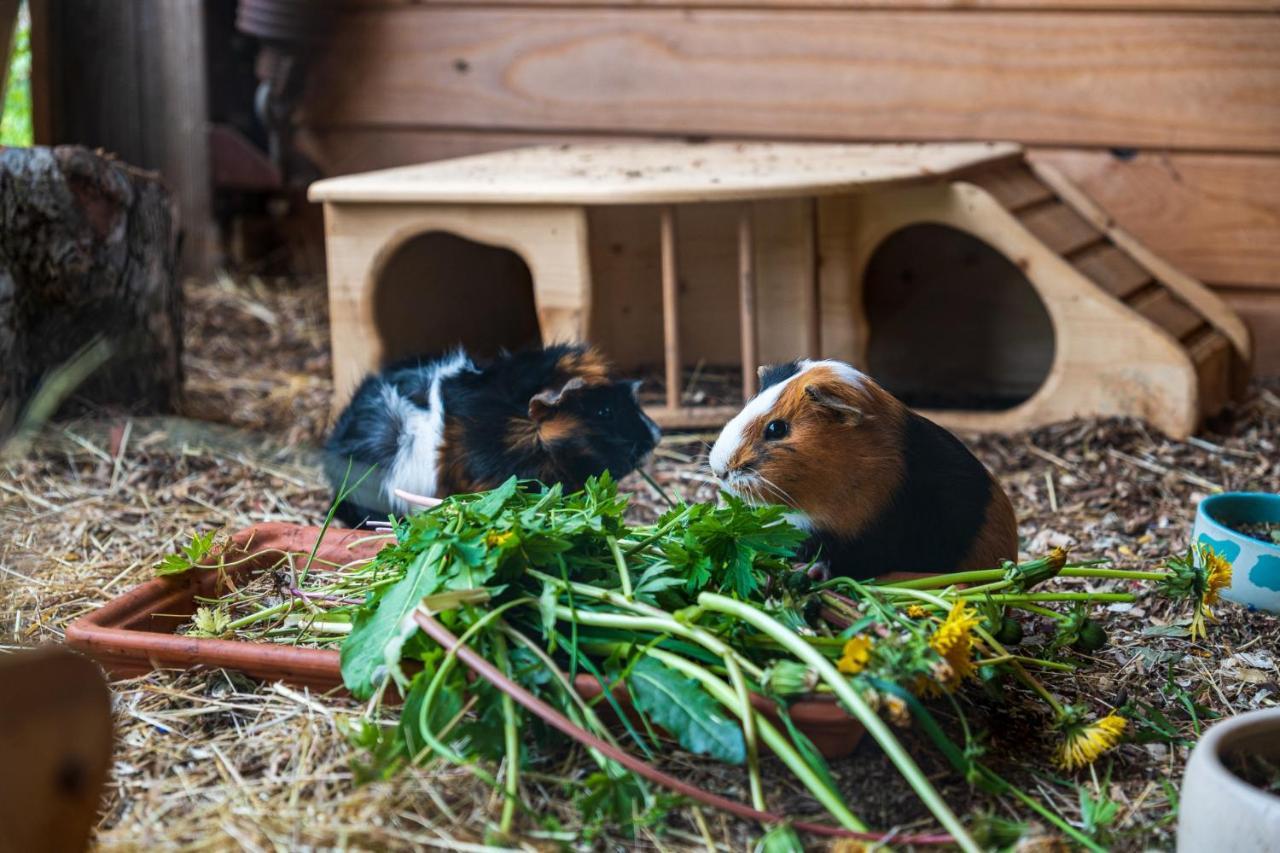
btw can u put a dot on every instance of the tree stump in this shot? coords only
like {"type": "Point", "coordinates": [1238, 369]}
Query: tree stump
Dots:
{"type": "Point", "coordinates": [87, 250]}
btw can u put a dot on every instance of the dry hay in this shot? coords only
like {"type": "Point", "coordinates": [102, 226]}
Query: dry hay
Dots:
{"type": "Point", "coordinates": [211, 760]}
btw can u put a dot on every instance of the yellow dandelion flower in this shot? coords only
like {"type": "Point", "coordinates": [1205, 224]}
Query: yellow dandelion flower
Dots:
{"type": "Point", "coordinates": [953, 639]}
{"type": "Point", "coordinates": [1084, 743]}
{"type": "Point", "coordinates": [897, 712]}
{"type": "Point", "coordinates": [915, 611]}
{"type": "Point", "coordinates": [1217, 576]}
{"type": "Point", "coordinates": [494, 539]}
{"type": "Point", "coordinates": [855, 656]}
{"type": "Point", "coordinates": [1214, 576]}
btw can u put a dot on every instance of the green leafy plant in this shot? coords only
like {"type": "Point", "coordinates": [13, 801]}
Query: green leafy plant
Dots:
{"type": "Point", "coordinates": [189, 557]}
{"type": "Point", "coordinates": [676, 624]}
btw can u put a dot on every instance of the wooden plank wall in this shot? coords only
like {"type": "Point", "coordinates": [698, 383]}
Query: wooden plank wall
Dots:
{"type": "Point", "coordinates": [1166, 111]}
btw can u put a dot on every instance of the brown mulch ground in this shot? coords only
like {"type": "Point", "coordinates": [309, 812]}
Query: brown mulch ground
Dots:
{"type": "Point", "coordinates": [213, 761]}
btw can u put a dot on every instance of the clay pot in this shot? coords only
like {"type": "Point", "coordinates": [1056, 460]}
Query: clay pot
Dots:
{"type": "Point", "coordinates": [133, 634]}
{"type": "Point", "coordinates": [1218, 810]}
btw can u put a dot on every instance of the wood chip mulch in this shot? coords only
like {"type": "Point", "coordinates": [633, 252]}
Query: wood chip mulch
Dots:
{"type": "Point", "coordinates": [213, 761]}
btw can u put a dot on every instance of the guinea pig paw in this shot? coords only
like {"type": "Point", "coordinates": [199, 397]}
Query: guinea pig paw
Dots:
{"type": "Point", "coordinates": [820, 571]}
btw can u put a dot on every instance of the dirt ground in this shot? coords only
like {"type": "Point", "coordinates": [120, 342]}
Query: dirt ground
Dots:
{"type": "Point", "coordinates": [213, 761]}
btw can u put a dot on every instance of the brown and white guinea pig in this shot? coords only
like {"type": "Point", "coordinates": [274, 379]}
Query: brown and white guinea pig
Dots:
{"type": "Point", "coordinates": [441, 426]}
{"type": "Point", "coordinates": [880, 488]}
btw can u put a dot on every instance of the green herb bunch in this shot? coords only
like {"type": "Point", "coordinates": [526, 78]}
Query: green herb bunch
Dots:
{"type": "Point", "coordinates": [687, 618]}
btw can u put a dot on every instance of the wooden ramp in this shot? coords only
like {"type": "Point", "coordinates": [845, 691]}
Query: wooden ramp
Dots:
{"type": "Point", "coordinates": [1131, 335]}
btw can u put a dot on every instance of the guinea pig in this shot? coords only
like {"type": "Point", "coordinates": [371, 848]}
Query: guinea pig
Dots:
{"type": "Point", "coordinates": [880, 488]}
{"type": "Point", "coordinates": [441, 426]}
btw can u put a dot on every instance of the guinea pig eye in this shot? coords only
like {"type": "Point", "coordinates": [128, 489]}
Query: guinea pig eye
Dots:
{"type": "Point", "coordinates": [775, 430]}
{"type": "Point", "coordinates": [605, 411]}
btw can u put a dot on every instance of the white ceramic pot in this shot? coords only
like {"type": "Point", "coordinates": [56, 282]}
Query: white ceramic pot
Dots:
{"type": "Point", "coordinates": [1218, 811]}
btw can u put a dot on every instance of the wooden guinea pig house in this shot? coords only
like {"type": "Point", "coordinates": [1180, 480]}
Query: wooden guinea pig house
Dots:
{"type": "Point", "coordinates": [988, 291]}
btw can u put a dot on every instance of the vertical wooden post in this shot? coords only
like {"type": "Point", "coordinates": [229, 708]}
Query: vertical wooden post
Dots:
{"type": "Point", "coordinates": [812, 301]}
{"type": "Point", "coordinates": [747, 301]}
{"type": "Point", "coordinates": [130, 77]}
{"type": "Point", "coordinates": [670, 307]}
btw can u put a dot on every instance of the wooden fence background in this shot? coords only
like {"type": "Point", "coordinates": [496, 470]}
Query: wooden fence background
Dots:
{"type": "Point", "coordinates": [1166, 111]}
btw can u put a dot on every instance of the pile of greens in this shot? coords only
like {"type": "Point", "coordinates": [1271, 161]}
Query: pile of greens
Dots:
{"type": "Point", "coordinates": [682, 620]}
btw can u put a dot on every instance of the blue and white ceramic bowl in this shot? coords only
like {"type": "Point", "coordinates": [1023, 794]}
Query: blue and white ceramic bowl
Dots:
{"type": "Point", "coordinates": [1255, 564]}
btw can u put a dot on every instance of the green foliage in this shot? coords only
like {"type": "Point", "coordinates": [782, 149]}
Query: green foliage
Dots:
{"type": "Point", "coordinates": [995, 832]}
{"type": "Point", "coordinates": [779, 839]}
{"type": "Point", "coordinates": [188, 557]}
{"type": "Point", "coordinates": [512, 552]}
{"type": "Point", "coordinates": [210, 622]}
{"type": "Point", "coordinates": [1097, 811]}
{"type": "Point", "coordinates": [16, 125]}
{"type": "Point", "coordinates": [683, 708]}
{"type": "Point", "coordinates": [491, 540]}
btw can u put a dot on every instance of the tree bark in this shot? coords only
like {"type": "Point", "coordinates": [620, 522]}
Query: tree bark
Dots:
{"type": "Point", "coordinates": [87, 249]}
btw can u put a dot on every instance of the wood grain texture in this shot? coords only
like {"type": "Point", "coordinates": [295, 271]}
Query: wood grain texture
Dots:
{"type": "Point", "coordinates": [107, 80]}
{"type": "Point", "coordinates": [1215, 216]}
{"type": "Point", "coordinates": [1106, 358]}
{"type": "Point", "coordinates": [1163, 308]}
{"type": "Point", "coordinates": [1059, 227]}
{"type": "Point", "coordinates": [1182, 81]}
{"type": "Point", "coordinates": [1028, 5]}
{"type": "Point", "coordinates": [362, 241]}
{"type": "Point", "coordinates": [1260, 310]}
{"type": "Point", "coordinates": [1113, 270]}
{"type": "Point", "coordinates": [1185, 287]}
{"type": "Point", "coordinates": [666, 173]}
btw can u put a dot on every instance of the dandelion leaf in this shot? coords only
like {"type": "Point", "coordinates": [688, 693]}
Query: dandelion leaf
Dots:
{"type": "Point", "coordinates": [688, 712]}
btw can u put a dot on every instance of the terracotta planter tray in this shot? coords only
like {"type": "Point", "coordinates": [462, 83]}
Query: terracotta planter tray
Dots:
{"type": "Point", "coordinates": [133, 634]}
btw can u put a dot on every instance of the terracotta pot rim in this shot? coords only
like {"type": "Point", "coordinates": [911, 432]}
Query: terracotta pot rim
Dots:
{"type": "Point", "coordinates": [128, 636]}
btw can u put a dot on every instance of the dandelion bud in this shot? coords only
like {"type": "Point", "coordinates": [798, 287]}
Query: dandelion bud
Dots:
{"type": "Point", "coordinates": [1038, 571]}
{"type": "Point", "coordinates": [789, 678]}
{"type": "Point", "coordinates": [1010, 632]}
{"type": "Point", "coordinates": [1091, 638]}
{"type": "Point", "coordinates": [896, 710]}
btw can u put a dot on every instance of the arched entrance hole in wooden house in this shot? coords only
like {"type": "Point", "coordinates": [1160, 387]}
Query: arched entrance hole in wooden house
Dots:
{"type": "Point", "coordinates": [1130, 334]}
{"type": "Point", "coordinates": [954, 324]}
{"type": "Point", "coordinates": [438, 290]}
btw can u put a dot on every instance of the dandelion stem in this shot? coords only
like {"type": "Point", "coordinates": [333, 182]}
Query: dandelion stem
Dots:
{"type": "Point", "coordinates": [1041, 611]}
{"type": "Point", "coordinates": [265, 613]}
{"type": "Point", "coordinates": [621, 562]}
{"type": "Point", "coordinates": [774, 739]}
{"type": "Point", "coordinates": [1022, 675]}
{"type": "Point", "coordinates": [1007, 658]}
{"type": "Point", "coordinates": [988, 575]}
{"type": "Point", "coordinates": [1058, 596]}
{"type": "Point", "coordinates": [511, 737]}
{"type": "Point", "coordinates": [650, 619]}
{"type": "Point", "coordinates": [855, 704]}
{"type": "Point", "coordinates": [747, 713]}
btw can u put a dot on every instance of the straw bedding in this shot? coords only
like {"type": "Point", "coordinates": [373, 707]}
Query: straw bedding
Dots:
{"type": "Point", "coordinates": [214, 761]}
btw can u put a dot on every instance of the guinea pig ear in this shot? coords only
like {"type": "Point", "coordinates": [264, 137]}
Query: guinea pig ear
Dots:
{"type": "Point", "coordinates": [544, 404]}
{"type": "Point", "coordinates": [635, 385]}
{"type": "Point", "coordinates": [846, 410]}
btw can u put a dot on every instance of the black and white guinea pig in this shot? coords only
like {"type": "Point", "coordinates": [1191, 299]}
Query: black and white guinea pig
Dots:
{"type": "Point", "coordinates": [436, 427]}
{"type": "Point", "coordinates": [880, 488]}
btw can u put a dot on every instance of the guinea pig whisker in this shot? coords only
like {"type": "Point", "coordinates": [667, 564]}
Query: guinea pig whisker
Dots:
{"type": "Point", "coordinates": [777, 490]}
